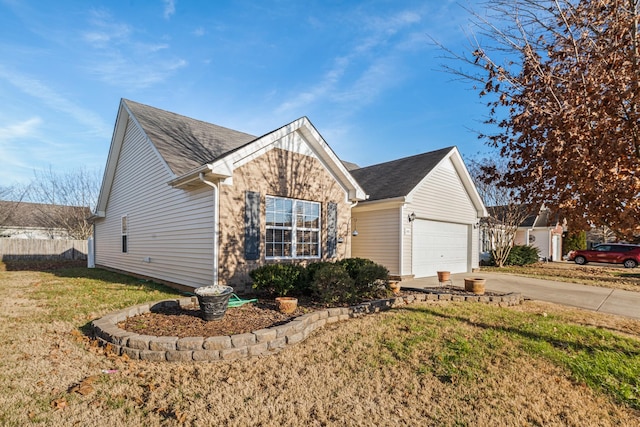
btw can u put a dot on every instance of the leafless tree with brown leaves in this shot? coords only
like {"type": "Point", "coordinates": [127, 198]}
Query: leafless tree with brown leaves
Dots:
{"type": "Point", "coordinates": [562, 80]}
{"type": "Point", "coordinates": [505, 212]}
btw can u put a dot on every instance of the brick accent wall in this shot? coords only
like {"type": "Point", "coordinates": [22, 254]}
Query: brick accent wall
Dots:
{"type": "Point", "coordinates": [279, 173]}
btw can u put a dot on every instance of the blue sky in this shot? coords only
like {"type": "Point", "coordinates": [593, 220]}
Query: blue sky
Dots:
{"type": "Point", "coordinates": [365, 73]}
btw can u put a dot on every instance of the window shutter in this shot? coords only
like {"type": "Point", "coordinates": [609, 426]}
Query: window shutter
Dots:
{"type": "Point", "coordinates": [252, 226]}
{"type": "Point", "coordinates": [332, 229]}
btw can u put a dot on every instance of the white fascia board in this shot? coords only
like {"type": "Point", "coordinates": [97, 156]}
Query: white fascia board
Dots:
{"type": "Point", "coordinates": [377, 205]}
{"type": "Point", "coordinates": [335, 165]}
{"type": "Point", "coordinates": [298, 136]}
{"type": "Point", "coordinates": [465, 177]}
{"type": "Point", "coordinates": [456, 159]}
{"type": "Point", "coordinates": [193, 177]}
{"type": "Point", "coordinates": [117, 139]}
{"type": "Point", "coordinates": [122, 120]}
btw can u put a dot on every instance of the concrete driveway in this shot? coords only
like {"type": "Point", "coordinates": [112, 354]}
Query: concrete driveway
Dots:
{"type": "Point", "coordinates": [605, 300]}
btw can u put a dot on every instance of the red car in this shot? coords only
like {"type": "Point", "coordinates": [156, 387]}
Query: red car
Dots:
{"type": "Point", "coordinates": [612, 253]}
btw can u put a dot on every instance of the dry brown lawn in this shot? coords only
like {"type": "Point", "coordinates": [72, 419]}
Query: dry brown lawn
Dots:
{"type": "Point", "coordinates": [604, 275]}
{"type": "Point", "coordinates": [343, 375]}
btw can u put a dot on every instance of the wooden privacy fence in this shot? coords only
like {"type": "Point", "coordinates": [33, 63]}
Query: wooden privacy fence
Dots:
{"type": "Point", "coordinates": [42, 249]}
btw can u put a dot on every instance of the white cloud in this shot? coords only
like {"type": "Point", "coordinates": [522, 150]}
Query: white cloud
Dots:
{"type": "Point", "coordinates": [371, 66]}
{"type": "Point", "coordinates": [198, 32]}
{"type": "Point", "coordinates": [118, 58]}
{"type": "Point", "coordinates": [20, 129]}
{"type": "Point", "coordinates": [169, 8]}
{"type": "Point", "coordinates": [52, 99]}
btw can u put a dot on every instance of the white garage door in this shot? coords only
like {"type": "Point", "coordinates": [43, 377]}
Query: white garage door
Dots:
{"type": "Point", "coordinates": [439, 246]}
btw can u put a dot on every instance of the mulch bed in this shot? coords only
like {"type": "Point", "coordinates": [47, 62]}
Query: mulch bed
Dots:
{"type": "Point", "coordinates": [185, 322]}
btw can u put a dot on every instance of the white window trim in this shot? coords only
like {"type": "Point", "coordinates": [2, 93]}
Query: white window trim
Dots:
{"type": "Point", "coordinates": [294, 228]}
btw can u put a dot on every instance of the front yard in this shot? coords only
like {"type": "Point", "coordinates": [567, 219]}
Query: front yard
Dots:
{"type": "Point", "coordinates": [425, 364]}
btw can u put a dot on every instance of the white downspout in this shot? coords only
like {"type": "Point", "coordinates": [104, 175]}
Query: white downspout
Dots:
{"type": "Point", "coordinates": [216, 219]}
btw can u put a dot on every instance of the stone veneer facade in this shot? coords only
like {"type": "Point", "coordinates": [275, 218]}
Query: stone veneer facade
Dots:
{"type": "Point", "coordinates": [280, 173]}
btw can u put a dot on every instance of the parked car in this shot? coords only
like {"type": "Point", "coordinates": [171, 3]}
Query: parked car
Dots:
{"type": "Point", "coordinates": [612, 253]}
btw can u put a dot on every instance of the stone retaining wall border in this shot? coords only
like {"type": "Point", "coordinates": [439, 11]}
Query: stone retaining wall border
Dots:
{"type": "Point", "coordinates": [257, 343]}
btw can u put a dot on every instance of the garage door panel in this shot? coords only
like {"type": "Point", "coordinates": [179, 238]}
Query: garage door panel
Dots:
{"type": "Point", "coordinates": [439, 246]}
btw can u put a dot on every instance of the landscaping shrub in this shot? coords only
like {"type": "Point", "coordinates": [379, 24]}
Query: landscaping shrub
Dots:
{"type": "Point", "coordinates": [277, 279]}
{"type": "Point", "coordinates": [523, 255]}
{"type": "Point", "coordinates": [332, 284]}
{"type": "Point", "coordinates": [370, 280]}
{"type": "Point", "coordinates": [310, 272]}
{"type": "Point", "coordinates": [345, 281]}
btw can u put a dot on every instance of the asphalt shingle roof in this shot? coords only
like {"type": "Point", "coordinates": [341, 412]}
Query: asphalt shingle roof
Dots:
{"type": "Point", "coordinates": [183, 142]}
{"type": "Point", "coordinates": [398, 177]}
{"type": "Point", "coordinates": [37, 215]}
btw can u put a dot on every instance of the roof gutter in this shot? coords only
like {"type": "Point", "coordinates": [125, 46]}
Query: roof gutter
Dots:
{"type": "Point", "coordinates": [216, 219]}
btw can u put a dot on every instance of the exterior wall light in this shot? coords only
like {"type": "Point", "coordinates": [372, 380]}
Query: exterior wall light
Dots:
{"type": "Point", "coordinates": [412, 216]}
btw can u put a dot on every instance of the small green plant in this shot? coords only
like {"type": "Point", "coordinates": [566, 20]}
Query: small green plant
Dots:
{"type": "Point", "coordinates": [277, 279]}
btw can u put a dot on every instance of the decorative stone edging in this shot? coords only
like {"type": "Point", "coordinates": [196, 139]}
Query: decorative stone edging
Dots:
{"type": "Point", "coordinates": [260, 342]}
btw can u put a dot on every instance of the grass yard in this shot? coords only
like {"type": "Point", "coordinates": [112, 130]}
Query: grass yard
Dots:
{"type": "Point", "coordinates": [604, 275]}
{"type": "Point", "coordinates": [444, 364]}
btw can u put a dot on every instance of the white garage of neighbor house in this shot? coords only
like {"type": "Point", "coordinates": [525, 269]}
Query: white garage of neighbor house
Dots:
{"type": "Point", "coordinates": [421, 216]}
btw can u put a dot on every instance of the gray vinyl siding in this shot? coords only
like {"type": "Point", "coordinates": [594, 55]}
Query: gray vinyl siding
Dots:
{"type": "Point", "coordinates": [442, 197]}
{"type": "Point", "coordinates": [378, 237]}
{"type": "Point", "coordinates": [171, 227]}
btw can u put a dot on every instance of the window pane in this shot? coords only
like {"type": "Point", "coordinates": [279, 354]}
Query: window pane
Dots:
{"type": "Point", "coordinates": [289, 219]}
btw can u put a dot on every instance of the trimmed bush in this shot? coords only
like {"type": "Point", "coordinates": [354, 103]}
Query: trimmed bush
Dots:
{"type": "Point", "coordinates": [277, 279]}
{"type": "Point", "coordinates": [523, 255]}
{"type": "Point", "coordinates": [345, 281]}
{"type": "Point", "coordinates": [370, 280]}
{"type": "Point", "coordinates": [332, 284]}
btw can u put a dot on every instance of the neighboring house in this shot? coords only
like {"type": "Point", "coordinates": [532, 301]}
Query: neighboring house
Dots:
{"type": "Point", "coordinates": [189, 203]}
{"type": "Point", "coordinates": [421, 216]}
{"type": "Point", "coordinates": [541, 229]}
{"type": "Point", "coordinates": [23, 220]}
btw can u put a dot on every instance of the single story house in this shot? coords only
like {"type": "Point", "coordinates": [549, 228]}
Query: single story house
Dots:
{"type": "Point", "coordinates": [26, 220]}
{"type": "Point", "coordinates": [542, 230]}
{"type": "Point", "coordinates": [190, 203]}
{"type": "Point", "coordinates": [421, 215]}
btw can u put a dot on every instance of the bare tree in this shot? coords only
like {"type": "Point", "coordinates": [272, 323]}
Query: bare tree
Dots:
{"type": "Point", "coordinates": [68, 199]}
{"type": "Point", "coordinates": [506, 213]}
{"type": "Point", "coordinates": [562, 81]}
{"type": "Point", "coordinates": [10, 198]}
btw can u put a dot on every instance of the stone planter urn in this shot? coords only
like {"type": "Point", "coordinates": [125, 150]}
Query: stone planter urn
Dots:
{"type": "Point", "coordinates": [474, 285]}
{"type": "Point", "coordinates": [287, 304]}
{"type": "Point", "coordinates": [213, 301]}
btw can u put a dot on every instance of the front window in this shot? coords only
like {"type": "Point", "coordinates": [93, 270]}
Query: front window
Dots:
{"type": "Point", "coordinates": [293, 228]}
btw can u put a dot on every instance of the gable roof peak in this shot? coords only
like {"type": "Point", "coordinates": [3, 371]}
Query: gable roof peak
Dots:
{"type": "Point", "coordinates": [396, 178]}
